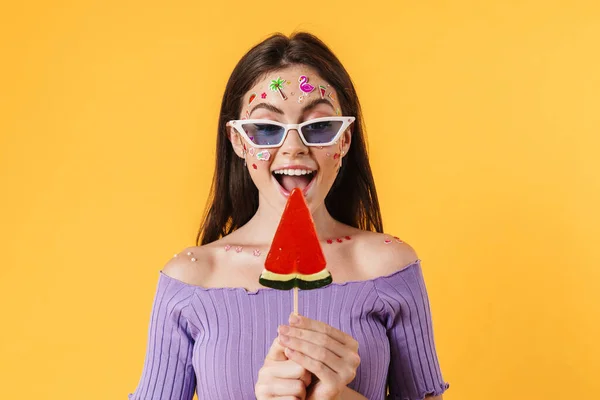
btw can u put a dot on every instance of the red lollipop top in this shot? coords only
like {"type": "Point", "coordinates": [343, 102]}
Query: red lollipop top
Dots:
{"type": "Point", "coordinates": [295, 258]}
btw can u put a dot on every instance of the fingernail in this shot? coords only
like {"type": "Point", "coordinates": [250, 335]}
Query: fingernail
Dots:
{"type": "Point", "coordinates": [294, 319]}
{"type": "Point", "coordinates": [284, 329]}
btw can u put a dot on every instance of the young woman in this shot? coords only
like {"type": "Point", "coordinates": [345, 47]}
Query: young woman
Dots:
{"type": "Point", "coordinates": [290, 117]}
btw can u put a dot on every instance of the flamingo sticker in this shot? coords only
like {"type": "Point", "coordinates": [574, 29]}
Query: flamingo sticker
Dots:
{"type": "Point", "coordinates": [304, 85]}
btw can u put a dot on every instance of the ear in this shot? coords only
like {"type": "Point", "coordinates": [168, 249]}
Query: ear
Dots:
{"type": "Point", "coordinates": [345, 140]}
{"type": "Point", "coordinates": [236, 140]}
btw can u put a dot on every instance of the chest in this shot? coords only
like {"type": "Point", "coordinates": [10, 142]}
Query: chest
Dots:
{"type": "Point", "coordinates": [242, 268]}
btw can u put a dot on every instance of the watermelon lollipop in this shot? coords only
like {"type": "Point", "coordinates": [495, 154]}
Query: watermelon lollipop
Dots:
{"type": "Point", "coordinates": [295, 259]}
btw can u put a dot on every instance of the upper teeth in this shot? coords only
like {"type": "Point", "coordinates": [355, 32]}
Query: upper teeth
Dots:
{"type": "Point", "coordinates": [293, 171]}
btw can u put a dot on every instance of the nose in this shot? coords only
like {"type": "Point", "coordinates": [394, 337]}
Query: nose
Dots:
{"type": "Point", "coordinates": [293, 145]}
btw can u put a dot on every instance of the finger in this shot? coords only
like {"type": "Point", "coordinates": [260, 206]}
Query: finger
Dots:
{"type": "Point", "coordinates": [275, 352]}
{"type": "Point", "coordinates": [318, 353]}
{"type": "Point", "coordinates": [283, 369]}
{"type": "Point", "coordinates": [306, 377]}
{"type": "Point", "coordinates": [318, 338]}
{"type": "Point", "coordinates": [287, 387]}
{"type": "Point", "coordinates": [321, 371]}
{"type": "Point", "coordinates": [298, 321]}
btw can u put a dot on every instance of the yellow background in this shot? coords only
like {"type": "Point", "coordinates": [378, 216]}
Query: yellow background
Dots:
{"type": "Point", "coordinates": [483, 123]}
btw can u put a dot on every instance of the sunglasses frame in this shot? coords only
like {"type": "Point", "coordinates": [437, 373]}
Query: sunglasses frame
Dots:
{"type": "Point", "coordinates": [237, 125]}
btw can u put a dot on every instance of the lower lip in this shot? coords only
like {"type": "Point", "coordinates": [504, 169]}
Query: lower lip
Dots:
{"type": "Point", "coordinates": [286, 194]}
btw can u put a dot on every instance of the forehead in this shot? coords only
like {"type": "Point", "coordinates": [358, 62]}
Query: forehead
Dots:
{"type": "Point", "coordinates": [290, 74]}
{"type": "Point", "coordinates": [290, 89]}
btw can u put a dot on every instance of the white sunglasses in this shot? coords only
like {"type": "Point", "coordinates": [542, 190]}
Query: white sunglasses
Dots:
{"type": "Point", "coordinates": [265, 133]}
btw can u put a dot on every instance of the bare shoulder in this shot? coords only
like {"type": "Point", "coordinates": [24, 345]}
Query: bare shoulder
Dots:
{"type": "Point", "coordinates": [383, 254]}
{"type": "Point", "coordinates": [193, 265]}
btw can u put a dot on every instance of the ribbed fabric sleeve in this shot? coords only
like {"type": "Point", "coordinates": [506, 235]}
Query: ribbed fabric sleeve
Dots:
{"type": "Point", "coordinates": [414, 370]}
{"type": "Point", "coordinates": [168, 373]}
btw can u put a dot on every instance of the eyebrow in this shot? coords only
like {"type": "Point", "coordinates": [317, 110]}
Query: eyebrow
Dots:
{"type": "Point", "coordinates": [267, 106]}
{"type": "Point", "coordinates": [307, 107]}
{"type": "Point", "coordinates": [315, 103]}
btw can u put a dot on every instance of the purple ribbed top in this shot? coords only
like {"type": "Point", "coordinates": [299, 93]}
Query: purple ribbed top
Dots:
{"type": "Point", "coordinates": [214, 340]}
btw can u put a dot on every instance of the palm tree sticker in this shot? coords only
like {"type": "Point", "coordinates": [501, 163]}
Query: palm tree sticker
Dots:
{"type": "Point", "coordinates": [277, 85]}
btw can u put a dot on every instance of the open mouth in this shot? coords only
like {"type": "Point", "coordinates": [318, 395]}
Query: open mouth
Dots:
{"type": "Point", "coordinates": [290, 179]}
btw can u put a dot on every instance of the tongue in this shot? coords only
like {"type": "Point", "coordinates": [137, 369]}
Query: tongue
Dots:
{"type": "Point", "coordinates": [291, 182]}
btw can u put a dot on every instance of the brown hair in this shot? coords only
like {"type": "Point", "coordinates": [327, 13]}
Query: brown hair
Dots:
{"type": "Point", "coordinates": [233, 196]}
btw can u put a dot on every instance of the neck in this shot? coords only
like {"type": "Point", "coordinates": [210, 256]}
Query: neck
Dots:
{"type": "Point", "coordinates": [263, 225]}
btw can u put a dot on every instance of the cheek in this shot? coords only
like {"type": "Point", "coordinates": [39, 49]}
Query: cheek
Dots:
{"type": "Point", "coordinates": [260, 160]}
{"type": "Point", "coordinates": [328, 157]}
{"type": "Point", "coordinates": [262, 155]}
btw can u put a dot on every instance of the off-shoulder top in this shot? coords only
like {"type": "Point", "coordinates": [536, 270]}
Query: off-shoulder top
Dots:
{"type": "Point", "coordinates": [214, 340]}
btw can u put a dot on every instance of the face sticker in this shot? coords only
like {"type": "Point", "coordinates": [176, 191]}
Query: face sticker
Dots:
{"type": "Point", "coordinates": [254, 166]}
{"type": "Point", "coordinates": [263, 95]}
{"type": "Point", "coordinates": [338, 111]}
{"type": "Point", "coordinates": [263, 155]}
{"type": "Point", "coordinates": [256, 253]}
{"type": "Point", "coordinates": [247, 114]}
{"type": "Point", "coordinates": [304, 85]}
{"type": "Point", "coordinates": [328, 154]}
{"type": "Point", "coordinates": [252, 98]}
{"type": "Point", "coordinates": [322, 90]}
{"type": "Point", "coordinates": [251, 150]}
{"type": "Point", "coordinates": [336, 156]}
{"type": "Point", "coordinates": [276, 85]}
{"type": "Point", "coordinates": [330, 95]}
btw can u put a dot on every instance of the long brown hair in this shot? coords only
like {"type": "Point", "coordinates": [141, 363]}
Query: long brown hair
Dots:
{"type": "Point", "coordinates": [233, 198]}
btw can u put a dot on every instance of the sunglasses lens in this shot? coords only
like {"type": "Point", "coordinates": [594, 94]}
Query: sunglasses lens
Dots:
{"type": "Point", "coordinates": [321, 132]}
{"type": "Point", "coordinates": [264, 134]}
